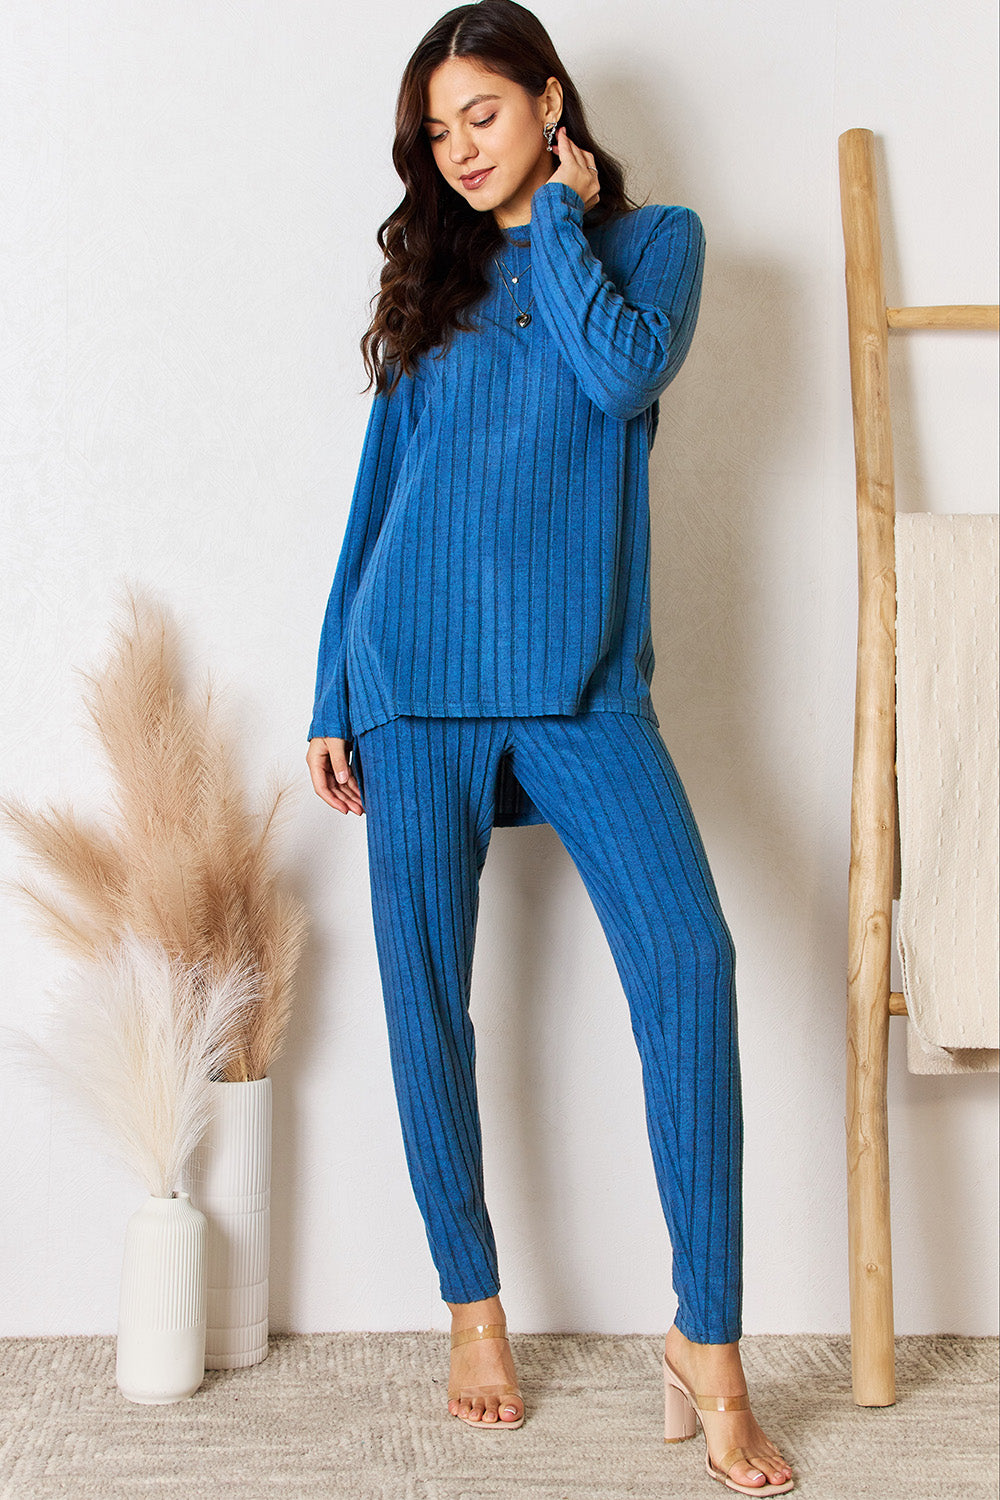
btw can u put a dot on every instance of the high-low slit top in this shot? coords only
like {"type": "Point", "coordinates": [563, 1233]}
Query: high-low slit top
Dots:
{"type": "Point", "coordinates": [496, 558]}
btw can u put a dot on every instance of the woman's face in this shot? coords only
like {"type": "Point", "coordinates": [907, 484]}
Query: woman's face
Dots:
{"type": "Point", "coordinates": [486, 136]}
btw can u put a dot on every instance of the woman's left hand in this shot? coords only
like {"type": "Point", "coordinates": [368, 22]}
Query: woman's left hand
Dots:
{"type": "Point", "coordinates": [576, 168]}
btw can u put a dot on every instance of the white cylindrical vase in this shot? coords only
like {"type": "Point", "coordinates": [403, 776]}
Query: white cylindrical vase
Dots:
{"type": "Point", "coordinates": [229, 1177]}
{"type": "Point", "coordinates": [160, 1352]}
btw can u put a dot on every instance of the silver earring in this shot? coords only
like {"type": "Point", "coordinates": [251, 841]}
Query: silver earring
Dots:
{"type": "Point", "coordinates": [549, 132]}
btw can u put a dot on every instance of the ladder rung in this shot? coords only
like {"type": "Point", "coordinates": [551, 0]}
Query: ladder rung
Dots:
{"type": "Point", "coordinates": [976, 315]}
{"type": "Point", "coordinates": [897, 1004]}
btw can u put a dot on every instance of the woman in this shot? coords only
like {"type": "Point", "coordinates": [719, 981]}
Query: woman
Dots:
{"type": "Point", "coordinates": [486, 659]}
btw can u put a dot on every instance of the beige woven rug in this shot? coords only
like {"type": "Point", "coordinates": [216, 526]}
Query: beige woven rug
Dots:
{"type": "Point", "coordinates": [362, 1417]}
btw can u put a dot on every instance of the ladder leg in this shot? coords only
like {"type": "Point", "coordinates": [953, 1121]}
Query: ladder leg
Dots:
{"type": "Point", "coordinates": [873, 797]}
{"type": "Point", "coordinates": [868, 1211]}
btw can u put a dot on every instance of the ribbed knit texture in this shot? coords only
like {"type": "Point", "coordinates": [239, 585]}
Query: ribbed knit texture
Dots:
{"type": "Point", "coordinates": [634, 840]}
{"type": "Point", "coordinates": [496, 555]}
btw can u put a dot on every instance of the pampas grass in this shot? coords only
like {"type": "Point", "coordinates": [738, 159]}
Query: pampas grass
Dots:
{"type": "Point", "coordinates": [185, 863]}
{"type": "Point", "coordinates": [136, 1039]}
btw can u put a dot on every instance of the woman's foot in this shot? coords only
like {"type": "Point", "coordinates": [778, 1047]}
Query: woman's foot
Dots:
{"type": "Point", "coordinates": [483, 1369]}
{"type": "Point", "coordinates": [717, 1370]}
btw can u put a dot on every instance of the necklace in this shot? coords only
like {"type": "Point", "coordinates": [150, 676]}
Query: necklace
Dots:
{"type": "Point", "coordinates": [523, 315]}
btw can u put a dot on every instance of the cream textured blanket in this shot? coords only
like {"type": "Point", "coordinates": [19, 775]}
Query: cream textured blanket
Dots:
{"type": "Point", "coordinates": [947, 736]}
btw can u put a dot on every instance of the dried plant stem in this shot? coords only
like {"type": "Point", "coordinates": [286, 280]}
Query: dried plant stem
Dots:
{"type": "Point", "coordinates": [137, 1039]}
{"type": "Point", "coordinates": [186, 864]}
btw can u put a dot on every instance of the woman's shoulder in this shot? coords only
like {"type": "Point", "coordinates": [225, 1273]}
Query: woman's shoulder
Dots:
{"type": "Point", "coordinates": [649, 220]}
{"type": "Point", "coordinates": [651, 238]}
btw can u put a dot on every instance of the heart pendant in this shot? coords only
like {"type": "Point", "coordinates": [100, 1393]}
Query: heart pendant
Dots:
{"type": "Point", "coordinates": [524, 320]}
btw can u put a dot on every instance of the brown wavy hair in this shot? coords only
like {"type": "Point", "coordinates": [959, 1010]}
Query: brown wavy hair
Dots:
{"type": "Point", "coordinates": [436, 246]}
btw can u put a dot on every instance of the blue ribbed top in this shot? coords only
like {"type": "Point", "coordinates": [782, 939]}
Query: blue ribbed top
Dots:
{"type": "Point", "coordinates": [496, 555]}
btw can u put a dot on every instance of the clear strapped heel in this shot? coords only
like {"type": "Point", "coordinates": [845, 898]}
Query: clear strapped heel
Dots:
{"type": "Point", "coordinates": [679, 1420]}
{"type": "Point", "coordinates": [682, 1413]}
{"type": "Point", "coordinates": [487, 1392]}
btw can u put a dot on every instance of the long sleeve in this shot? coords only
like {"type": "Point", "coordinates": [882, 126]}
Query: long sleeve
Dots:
{"type": "Point", "coordinates": [624, 347]}
{"type": "Point", "coordinates": [390, 425]}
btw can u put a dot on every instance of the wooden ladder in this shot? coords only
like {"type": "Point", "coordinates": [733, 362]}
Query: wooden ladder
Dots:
{"type": "Point", "coordinates": [873, 795]}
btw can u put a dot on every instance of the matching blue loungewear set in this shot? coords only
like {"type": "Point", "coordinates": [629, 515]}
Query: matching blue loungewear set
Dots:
{"type": "Point", "coordinates": [486, 652]}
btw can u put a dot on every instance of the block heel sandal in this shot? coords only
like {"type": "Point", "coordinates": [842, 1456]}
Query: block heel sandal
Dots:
{"type": "Point", "coordinates": [501, 1392]}
{"type": "Point", "coordinates": [681, 1415]}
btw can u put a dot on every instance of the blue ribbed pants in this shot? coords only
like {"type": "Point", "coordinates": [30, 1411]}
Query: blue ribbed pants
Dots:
{"type": "Point", "coordinates": [607, 785]}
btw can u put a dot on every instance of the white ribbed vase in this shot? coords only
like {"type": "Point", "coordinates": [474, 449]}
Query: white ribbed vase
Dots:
{"type": "Point", "coordinates": [229, 1177]}
{"type": "Point", "coordinates": [160, 1353]}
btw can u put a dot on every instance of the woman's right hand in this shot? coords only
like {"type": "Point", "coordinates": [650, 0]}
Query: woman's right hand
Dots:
{"type": "Point", "coordinates": [577, 169]}
{"type": "Point", "coordinates": [327, 762]}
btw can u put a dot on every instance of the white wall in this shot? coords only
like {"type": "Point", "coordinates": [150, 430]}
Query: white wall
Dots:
{"type": "Point", "coordinates": [189, 201]}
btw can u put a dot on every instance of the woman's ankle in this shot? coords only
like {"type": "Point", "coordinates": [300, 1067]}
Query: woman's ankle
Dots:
{"type": "Point", "coordinates": [674, 1335]}
{"type": "Point", "coordinates": [469, 1314]}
